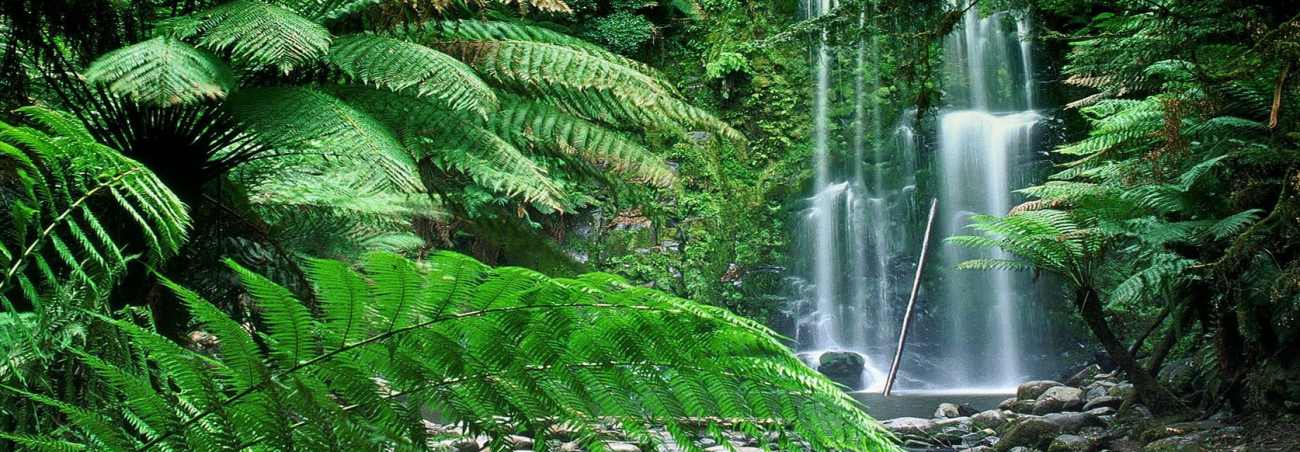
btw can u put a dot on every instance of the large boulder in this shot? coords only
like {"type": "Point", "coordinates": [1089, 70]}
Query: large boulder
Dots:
{"type": "Point", "coordinates": [1179, 377]}
{"type": "Point", "coordinates": [1070, 443]}
{"type": "Point", "coordinates": [843, 367]}
{"type": "Point", "coordinates": [1125, 391]}
{"type": "Point", "coordinates": [952, 410]}
{"type": "Point", "coordinates": [1084, 376]}
{"type": "Point", "coordinates": [951, 431]}
{"type": "Point", "coordinates": [1073, 421]}
{"type": "Point", "coordinates": [1058, 398]}
{"type": "Point", "coordinates": [947, 410]}
{"type": "Point", "coordinates": [1030, 390]}
{"type": "Point", "coordinates": [909, 425]}
{"type": "Point", "coordinates": [1103, 401]}
{"type": "Point", "coordinates": [1022, 407]}
{"type": "Point", "coordinates": [1028, 431]}
{"type": "Point", "coordinates": [1193, 442]}
{"type": "Point", "coordinates": [1006, 404]}
{"type": "Point", "coordinates": [993, 419]}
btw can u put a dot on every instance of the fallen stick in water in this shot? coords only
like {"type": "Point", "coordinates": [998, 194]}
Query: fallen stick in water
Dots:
{"type": "Point", "coordinates": [911, 300]}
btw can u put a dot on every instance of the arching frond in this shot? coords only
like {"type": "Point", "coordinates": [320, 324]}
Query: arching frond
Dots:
{"type": "Point", "coordinates": [75, 209]}
{"type": "Point", "coordinates": [255, 33]}
{"type": "Point", "coordinates": [459, 143]}
{"type": "Point", "coordinates": [590, 87]}
{"type": "Point", "coordinates": [489, 30]}
{"type": "Point", "coordinates": [337, 9]}
{"type": "Point", "coordinates": [162, 71]}
{"type": "Point", "coordinates": [314, 128]}
{"type": "Point", "coordinates": [493, 163]}
{"type": "Point", "coordinates": [497, 350]}
{"type": "Point", "coordinates": [341, 213]}
{"type": "Point", "coordinates": [411, 69]}
{"type": "Point", "coordinates": [536, 124]}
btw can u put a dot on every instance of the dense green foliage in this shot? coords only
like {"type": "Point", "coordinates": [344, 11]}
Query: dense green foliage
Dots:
{"type": "Point", "coordinates": [269, 132]}
{"type": "Point", "coordinates": [402, 337]}
{"type": "Point", "coordinates": [303, 170]}
{"type": "Point", "coordinates": [1178, 202]}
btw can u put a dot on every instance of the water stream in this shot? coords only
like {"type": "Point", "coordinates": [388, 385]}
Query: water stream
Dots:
{"type": "Point", "coordinates": [855, 231]}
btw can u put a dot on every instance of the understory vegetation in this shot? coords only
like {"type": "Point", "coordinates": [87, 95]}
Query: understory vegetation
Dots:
{"type": "Point", "coordinates": [329, 224]}
{"type": "Point", "coordinates": [1172, 216]}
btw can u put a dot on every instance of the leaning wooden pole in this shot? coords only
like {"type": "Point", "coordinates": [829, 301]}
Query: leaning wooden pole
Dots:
{"type": "Point", "coordinates": [911, 300]}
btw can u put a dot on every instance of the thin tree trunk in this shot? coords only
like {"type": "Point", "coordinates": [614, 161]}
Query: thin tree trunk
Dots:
{"type": "Point", "coordinates": [1156, 397]}
{"type": "Point", "coordinates": [1137, 343]}
{"type": "Point", "coordinates": [1166, 344]}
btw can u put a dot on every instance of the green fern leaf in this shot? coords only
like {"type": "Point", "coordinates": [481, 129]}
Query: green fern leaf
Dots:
{"type": "Point", "coordinates": [413, 69]}
{"type": "Point", "coordinates": [308, 123]}
{"type": "Point", "coordinates": [162, 71]}
{"type": "Point", "coordinates": [255, 33]}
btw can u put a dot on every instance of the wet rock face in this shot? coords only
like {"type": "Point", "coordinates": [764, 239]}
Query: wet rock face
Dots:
{"type": "Point", "coordinates": [1103, 401]}
{"type": "Point", "coordinates": [1032, 389]}
{"type": "Point", "coordinates": [1072, 422]}
{"type": "Point", "coordinates": [993, 419]}
{"type": "Point", "coordinates": [1182, 443]}
{"type": "Point", "coordinates": [843, 367]}
{"type": "Point", "coordinates": [1057, 399]}
{"type": "Point", "coordinates": [1070, 443]}
{"type": "Point", "coordinates": [1029, 431]}
{"type": "Point", "coordinates": [952, 410]}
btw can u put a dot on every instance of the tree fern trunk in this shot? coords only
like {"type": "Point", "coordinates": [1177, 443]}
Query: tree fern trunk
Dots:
{"type": "Point", "coordinates": [1156, 397]}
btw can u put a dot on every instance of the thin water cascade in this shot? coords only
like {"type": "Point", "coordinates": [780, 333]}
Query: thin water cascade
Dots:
{"type": "Point", "coordinates": [846, 302]}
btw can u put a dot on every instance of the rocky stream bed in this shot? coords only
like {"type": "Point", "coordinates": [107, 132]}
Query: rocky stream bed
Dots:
{"type": "Point", "coordinates": [1089, 412]}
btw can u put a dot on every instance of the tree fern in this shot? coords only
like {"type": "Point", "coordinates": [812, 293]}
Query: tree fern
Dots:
{"type": "Point", "coordinates": [585, 85]}
{"type": "Point", "coordinates": [537, 124]}
{"type": "Point", "coordinates": [162, 71]}
{"type": "Point", "coordinates": [459, 143]}
{"type": "Point", "coordinates": [498, 30]}
{"type": "Point", "coordinates": [316, 128]}
{"type": "Point", "coordinates": [74, 208]}
{"type": "Point", "coordinates": [410, 68]}
{"type": "Point", "coordinates": [341, 213]}
{"type": "Point", "coordinates": [497, 350]}
{"type": "Point", "coordinates": [255, 33]}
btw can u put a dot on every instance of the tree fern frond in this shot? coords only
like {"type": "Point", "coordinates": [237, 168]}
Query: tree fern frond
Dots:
{"type": "Point", "coordinates": [64, 184]}
{"type": "Point", "coordinates": [307, 122]}
{"type": "Point", "coordinates": [162, 71]}
{"type": "Point", "coordinates": [561, 133]}
{"type": "Point", "coordinates": [459, 143]}
{"type": "Point", "coordinates": [995, 264]}
{"type": "Point", "coordinates": [590, 87]}
{"type": "Point", "coordinates": [413, 69]}
{"type": "Point", "coordinates": [486, 30]}
{"type": "Point", "coordinates": [497, 351]}
{"type": "Point", "coordinates": [1235, 223]}
{"type": "Point", "coordinates": [255, 33]}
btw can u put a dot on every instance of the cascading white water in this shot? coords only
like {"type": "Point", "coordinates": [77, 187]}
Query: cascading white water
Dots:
{"type": "Point", "coordinates": [984, 139]}
{"type": "Point", "coordinates": [855, 228]}
{"type": "Point", "coordinates": [846, 225]}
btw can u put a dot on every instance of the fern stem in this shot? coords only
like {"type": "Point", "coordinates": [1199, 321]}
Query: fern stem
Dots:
{"type": "Point", "coordinates": [331, 354]}
{"type": "Point", "coordinates": [59, 220]}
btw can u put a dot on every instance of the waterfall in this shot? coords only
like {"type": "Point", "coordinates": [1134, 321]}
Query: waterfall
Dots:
{"type": "Point", "coordinates": [984, 139]}
{"type": "Point", "coordinates": [854, 230]}
{"type": "Point", "coordinates": [847, 300]}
